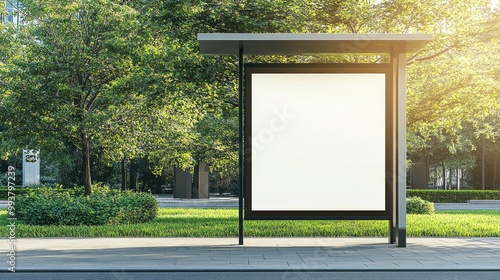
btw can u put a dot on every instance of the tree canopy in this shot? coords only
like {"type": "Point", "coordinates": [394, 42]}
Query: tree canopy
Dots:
{"type": "Point", "coordinates": [112, 81]}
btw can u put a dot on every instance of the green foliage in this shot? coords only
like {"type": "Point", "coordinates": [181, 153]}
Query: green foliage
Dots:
{"type": "Point", "coordinates": [52, 206]}
{"type": "Point", "coordinates": [454, 196]}
{"type": "Point", "coordinates": [455, 224]}
{"type": "Point", "coordinates": [18, 191]}
{"type": "Point", "coordinates": [453, 88]}
{"type": "Point", "coordinates": [48, 181]}
{"type": "Point", "coordinates": [127, 77]}
{"type": "Point", "coordinates": [74, 54]}
{"type": "Point", "coordinates": [416, 205]}
{"type": "Point", "coordinates": [4, 178]}
{"type": "Point", "coordinates": [178, 222]}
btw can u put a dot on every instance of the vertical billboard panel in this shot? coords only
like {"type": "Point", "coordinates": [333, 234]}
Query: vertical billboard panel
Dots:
{"type": "Point", "coordinates": [316, 141]}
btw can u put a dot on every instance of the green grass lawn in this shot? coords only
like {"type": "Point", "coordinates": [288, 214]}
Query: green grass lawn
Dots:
{"type": "Point", "coordinates": [180, 222]}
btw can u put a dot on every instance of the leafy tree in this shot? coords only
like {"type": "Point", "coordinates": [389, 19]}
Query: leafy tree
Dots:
{"type": "Point", "coordinates": [453, 99]}
{"type": "Point", "coordinates": [195, 106]}
{"type": "Point", "coordinates": [77, 53]}
{"type": "Point", "coordinates": [442, 77]}
{"type": "Point", "coordinates": [452, 88]}
{"type": "Point", "coordinates": [124, 80]}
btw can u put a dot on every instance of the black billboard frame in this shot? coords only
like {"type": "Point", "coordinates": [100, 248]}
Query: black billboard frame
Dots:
{"type": "Point", "coordinates": [318, 68]}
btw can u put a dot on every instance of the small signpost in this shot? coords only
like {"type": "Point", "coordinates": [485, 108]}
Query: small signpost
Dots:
{"type": "Point", "coordinates": [322, 141]}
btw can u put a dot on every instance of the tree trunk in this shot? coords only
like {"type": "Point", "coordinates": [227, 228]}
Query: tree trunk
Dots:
{"type": "Point", "coordinates": [87, 181]}
{"type": "Point", "coordinates": [462, 175]}
{"type": "Point", "coordinates": [444, 177]}
{"type": "Point", "coordinates": [135, 180]}
{"type": "Point", "coordinates": [124, 174]}
{"type": "Point", "coordinates": [495, 171]}
{"type": "Point", "coordinates": [435, 171]}
{"type": "Point", "coordinates": [133, 176]}
{"type": "Point", "coordinates": [482, 168]}
{"type": "Point", "coordinates": [428, 170]}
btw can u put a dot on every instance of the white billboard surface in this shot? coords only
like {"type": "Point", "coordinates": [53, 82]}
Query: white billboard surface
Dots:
{"type": "Point", "coordinates": [318, 141]}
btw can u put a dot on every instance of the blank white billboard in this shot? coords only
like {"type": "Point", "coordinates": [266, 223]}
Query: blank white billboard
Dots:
{"type": "Point", "coordinates": [318, 141]}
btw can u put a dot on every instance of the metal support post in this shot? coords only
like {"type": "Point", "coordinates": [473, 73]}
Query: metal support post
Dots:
{"type": "Point", "coordinates": [241, 163]}
{"type": "Point", "coordinates": [399, 66]}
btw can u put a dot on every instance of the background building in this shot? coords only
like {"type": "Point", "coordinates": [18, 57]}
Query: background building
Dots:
{"type": "Point", "coordinates": [10, 12]}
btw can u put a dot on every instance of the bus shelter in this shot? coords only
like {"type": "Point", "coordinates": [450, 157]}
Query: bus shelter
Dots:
{"type": "Point", "coordinates": [321, 140]}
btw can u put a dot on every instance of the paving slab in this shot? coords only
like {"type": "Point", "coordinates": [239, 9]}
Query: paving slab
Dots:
{"type": "Point", "coordinates": [274, 254]}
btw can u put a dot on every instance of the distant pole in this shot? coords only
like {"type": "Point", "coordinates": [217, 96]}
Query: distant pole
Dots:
{"type": "Point", "coordinates": [482, 167]}
{"type": "Point", "coordinates": [240, 139]}
{"type": "Point", "coordinates": [124, 174]}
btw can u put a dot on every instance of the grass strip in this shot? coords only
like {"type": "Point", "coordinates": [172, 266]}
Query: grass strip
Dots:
{"type": "Point", "coordinates": [196, 222]}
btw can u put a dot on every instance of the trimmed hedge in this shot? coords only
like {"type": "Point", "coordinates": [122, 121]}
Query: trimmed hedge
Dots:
{"type": "Point", "coordinates": [436, 196]}
{"type": "Point", "coordinates": [454, 196]}
{"type": "Point", "coordinates": [19, 190]}
{"type": "Point", "coordinates": [56, 206]}
{"type": "Point", "coordinates": [416, 205]}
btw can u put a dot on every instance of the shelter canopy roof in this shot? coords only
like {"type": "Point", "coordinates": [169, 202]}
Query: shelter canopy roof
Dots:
{"type": "Point", "coordinates": [294, 44]}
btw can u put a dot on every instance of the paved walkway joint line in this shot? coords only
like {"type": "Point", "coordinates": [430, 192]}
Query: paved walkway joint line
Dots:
{"type": "Point", "coordinates": [280, 254]}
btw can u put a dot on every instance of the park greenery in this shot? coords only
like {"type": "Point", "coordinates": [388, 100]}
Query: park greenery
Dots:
{"type": "Point", "coordinates": [417, 205]}
{"type": "Point", "coordinates": [57, 206]}
{"type": "Point", "coordinates": [197, 222]}
{"type": "Point", "coordinates": [453, 196]}
{"type": "Point", "coordinates": [435, 196]}
{"type": "Point", "coordinates": [111, 89]}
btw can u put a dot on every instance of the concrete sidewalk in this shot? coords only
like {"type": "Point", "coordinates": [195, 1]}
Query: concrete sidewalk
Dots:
{"type": "Point", "coordinates": [263, 254]}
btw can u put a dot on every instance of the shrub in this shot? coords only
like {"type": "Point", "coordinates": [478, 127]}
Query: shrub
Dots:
{"type": "Point", "coordinates": [48, 181]}
{"type": "Point", "coordinates": [453, 196]}
{"type": "Point", "coordinates": [4, 178]}
{"type": "Point", "coordinates": [416, 205]}
{"type": "Point", "coordinates": [20, 190]}
{"type": "Point", "coordinates": [56, 206]}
